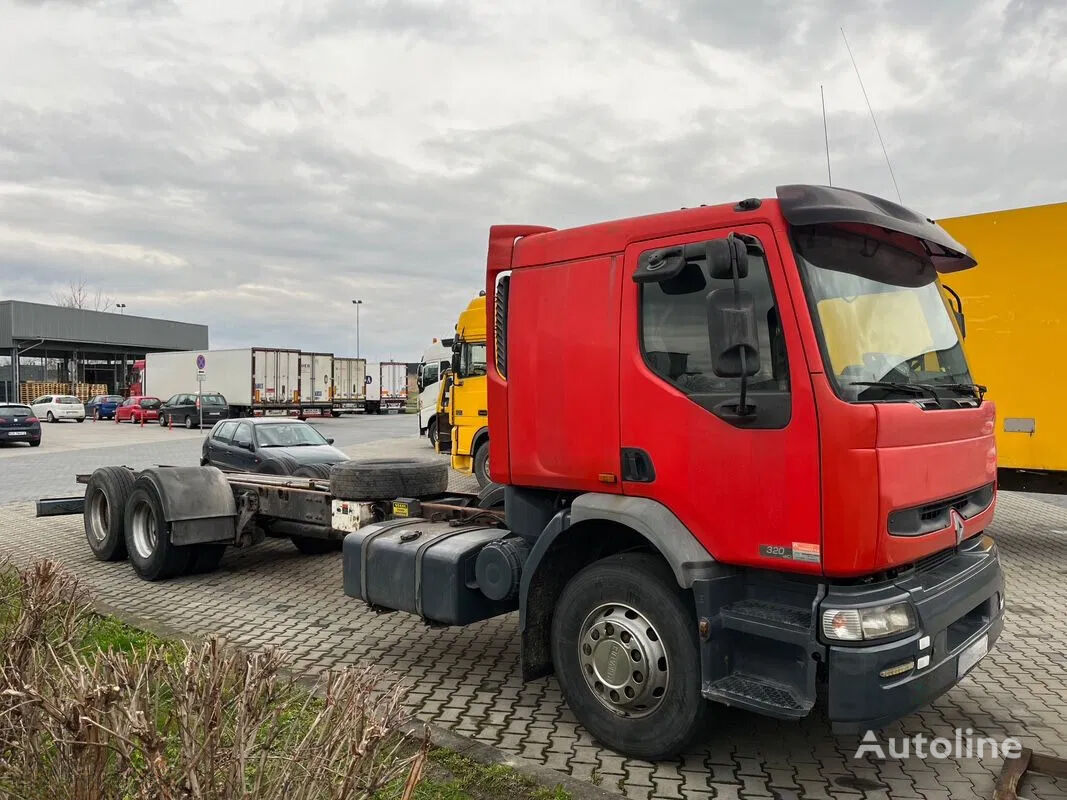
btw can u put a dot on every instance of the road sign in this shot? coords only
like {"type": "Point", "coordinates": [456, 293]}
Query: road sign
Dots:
{"type": "Point", "coordinates": [201, 362]}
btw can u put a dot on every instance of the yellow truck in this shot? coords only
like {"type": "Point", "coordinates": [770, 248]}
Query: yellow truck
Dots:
{"type": "Point", "coordinates": [464, 392]}
{"type": "Point", "coordinates": [1016, 335]}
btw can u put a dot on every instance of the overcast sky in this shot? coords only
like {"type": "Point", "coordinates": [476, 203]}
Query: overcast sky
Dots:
{"type": "Point", "coordinates": [254, 165]}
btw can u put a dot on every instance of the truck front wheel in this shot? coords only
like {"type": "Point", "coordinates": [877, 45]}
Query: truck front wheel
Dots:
{"type": "Point", "coordinates": [481, 464]}
{"type": "Point", "coordinates": [626, 654]}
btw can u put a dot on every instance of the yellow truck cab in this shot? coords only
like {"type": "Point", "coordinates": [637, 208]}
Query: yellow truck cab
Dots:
{"type": "Point", "coordinates": [465, 394]}
{"type": "Point", "coordinates": [1015, 332]}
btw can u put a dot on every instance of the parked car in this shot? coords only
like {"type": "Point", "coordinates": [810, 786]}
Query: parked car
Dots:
{"type": "Point", "coordinates": [134, 409]}
{"type": "Point", "coordinates": [184, 409]}
{"type": "Point", "coordinates": [103, 406]}
{"type": "Point", "coordinates": [270, 445]}
{"type": "Point", "coordinates": [54, 407]}
{"type": "Point", "coordinates": [18, 424]}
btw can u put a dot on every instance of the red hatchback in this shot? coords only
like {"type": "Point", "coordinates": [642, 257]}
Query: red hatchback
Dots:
{"type": "Point", "coordinates": [136, 408]}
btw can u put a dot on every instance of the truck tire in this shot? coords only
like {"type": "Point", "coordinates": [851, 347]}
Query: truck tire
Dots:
{"type": "Point", "coordinates": [481, 464]}
{"type": "Point", "coordinates": [152, 554]}
{"type": "Point", "coordinates": [491, 496]}
{"type": "Point", "coordinates": [630, 604]}
{"type": "Point", "coordinates": [310, 546]}
{"type": "Point", "coordinates": [105, 506]}
{"type": "Point", "coordinates": [385, 478]}
{"type": "Point", "coordinates": [431, 433]}
{"type": "Point", "coordinates": [205, 558]}
{"type": "Point", "coordinates": [283, 465]}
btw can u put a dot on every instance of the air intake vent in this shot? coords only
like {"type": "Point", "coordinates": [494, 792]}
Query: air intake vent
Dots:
{"type": "Point", "coordinates": [500, 327]}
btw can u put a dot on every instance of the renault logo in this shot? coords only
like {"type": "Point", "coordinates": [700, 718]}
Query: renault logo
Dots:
{"type": "Point", "coordinates": [957, 524]}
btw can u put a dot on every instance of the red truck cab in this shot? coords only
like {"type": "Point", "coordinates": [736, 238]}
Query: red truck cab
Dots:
{"type": "Point", "coordinates": [760, 411]}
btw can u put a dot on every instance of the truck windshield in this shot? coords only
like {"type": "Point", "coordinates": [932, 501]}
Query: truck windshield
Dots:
{"type": "Point", "coordinates": [880, 315]}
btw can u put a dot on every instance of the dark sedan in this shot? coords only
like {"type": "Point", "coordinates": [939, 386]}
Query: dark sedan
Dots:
{"type": "Point", "coordinates": [18, 424]}
{"type": "Point", "coordinates": [184, 409]}
{"type": "Point", "coordinates": [103, 406]}
{"type": "Point", "coordinates": [270, 445]}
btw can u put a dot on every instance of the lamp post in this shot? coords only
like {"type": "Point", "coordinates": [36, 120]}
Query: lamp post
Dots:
{"type": "Point", "coordinates": [120, 307]}
{"type": "Point", "coordinates": [357, 304]}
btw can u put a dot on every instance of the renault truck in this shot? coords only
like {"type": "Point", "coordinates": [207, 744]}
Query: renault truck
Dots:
{"type": "Point", "coordinates": [738, 457]}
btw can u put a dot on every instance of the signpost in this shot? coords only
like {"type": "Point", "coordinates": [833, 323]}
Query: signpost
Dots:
{"type": "Point", "coordinates": [201, 374]}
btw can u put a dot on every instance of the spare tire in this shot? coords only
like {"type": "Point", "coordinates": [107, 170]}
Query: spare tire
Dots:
{"type": "Point", "coordinates": [385, 478]}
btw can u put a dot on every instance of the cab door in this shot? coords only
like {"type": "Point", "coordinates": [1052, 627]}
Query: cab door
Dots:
{"type": "Point", "coordinates": [745, 484]}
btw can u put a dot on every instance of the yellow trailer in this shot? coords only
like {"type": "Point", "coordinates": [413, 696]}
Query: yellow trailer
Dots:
{"type": "Point", "coordinates": [1016, 336]}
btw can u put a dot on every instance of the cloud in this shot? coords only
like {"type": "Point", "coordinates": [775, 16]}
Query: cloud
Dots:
{"type": "Point", "coordinates": [255, 166]}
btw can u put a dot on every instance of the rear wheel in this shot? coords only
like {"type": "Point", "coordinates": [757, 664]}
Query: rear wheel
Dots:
{"type": "Point", "coordinates": [96, 414]}
{"type": "Point", "coordinates": [431, 433]}
{"type": "Point", "coordinates": [481, 464]}
{"type": "Point", "coordinates": [626, 654]}
{"type": "Point", "coordinates": [152, 553]}
{"type": "Point", "coordinates": [51, 417]}
{"type": "Point", "coordinates": [36, 443]}
{"type": "Point", "coordinates": [81, 419]}
{"type": "Point", "coordinates": [106, 496]}
{"type": "Point", "coordinates": [188, 423]}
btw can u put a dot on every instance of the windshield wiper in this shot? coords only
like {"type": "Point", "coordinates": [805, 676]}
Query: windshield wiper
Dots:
{"type": "Point", "coordinates": [976, 390]}
{"type": "Point", "coordinates": [915, 389]}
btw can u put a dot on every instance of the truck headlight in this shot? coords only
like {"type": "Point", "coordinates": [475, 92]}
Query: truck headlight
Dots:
{"type": "Point", "coordinates": [876, 622]}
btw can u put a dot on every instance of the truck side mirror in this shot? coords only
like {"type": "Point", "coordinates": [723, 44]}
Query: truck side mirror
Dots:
{"type": "Point", "coordinates": [732, 333]}
{"type": "Point", "coordinates": [957, 312]}
{"type": "Point", "coordinates": [727, 258]}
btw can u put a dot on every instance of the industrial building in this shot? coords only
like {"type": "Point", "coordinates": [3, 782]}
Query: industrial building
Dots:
{"type": "Point", "coordinates": [46, 343]}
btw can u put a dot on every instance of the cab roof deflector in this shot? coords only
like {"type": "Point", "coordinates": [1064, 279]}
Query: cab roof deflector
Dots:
{"type": "Point", "coordinates": [818, 205]}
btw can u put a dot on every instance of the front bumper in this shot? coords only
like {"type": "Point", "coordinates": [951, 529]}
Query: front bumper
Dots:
{"type": "Point", "coordinates": [959, 600]}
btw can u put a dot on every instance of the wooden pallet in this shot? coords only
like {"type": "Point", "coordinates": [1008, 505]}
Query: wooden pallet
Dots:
{"type": "Point", "coordinates": [31, 390]}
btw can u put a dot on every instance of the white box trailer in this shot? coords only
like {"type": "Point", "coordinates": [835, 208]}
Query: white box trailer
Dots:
{"type": "Point", "coordinates": [250, 378]}
{"type": "Point", "coordinates": [387, 387]}
{"type": "Point", "coordinates": [349, 385]}
{"type": "Point", "coordinates": [316, 381]}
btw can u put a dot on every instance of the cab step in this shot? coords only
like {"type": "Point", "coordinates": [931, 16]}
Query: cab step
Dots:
{"type": "Point", "coordinates": [756, 694]}
{"type": "Point", "coordinates": [783, 623]}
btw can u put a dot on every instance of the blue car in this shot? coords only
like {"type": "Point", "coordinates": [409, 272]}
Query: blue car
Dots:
{"type": "Point", "coordinates": [103, 406]}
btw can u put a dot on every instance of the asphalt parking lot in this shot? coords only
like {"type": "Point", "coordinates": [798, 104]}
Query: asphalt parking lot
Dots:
{"type": "Point", "coordinates": [467, 679]}
{"type": "Point", "coordinates": [68, 448]}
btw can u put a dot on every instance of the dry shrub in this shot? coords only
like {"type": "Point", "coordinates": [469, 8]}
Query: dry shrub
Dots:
{"type": "Point", "coordinates": [211, 723]}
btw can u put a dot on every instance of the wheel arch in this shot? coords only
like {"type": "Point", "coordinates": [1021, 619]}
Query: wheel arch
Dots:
{"type": "Point", "coordinates": [480, 435]}
{"type": "Point", "coordinates": [593, 527]}
{"type": "Point", "coordinates": [197, 501]}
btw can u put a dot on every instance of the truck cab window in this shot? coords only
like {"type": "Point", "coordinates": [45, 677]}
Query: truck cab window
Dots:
{"type": "Point", "coordinates": [674, 335]}
{"type": "Point", "coordinates": [472, 361]}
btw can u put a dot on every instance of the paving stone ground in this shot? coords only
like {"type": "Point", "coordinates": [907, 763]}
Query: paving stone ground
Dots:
{"type": "Point", "coordinates": [467, 679]}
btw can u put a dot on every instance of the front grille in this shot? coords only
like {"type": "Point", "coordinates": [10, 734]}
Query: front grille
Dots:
{"type": "Point", "coordinates": [936, 515]}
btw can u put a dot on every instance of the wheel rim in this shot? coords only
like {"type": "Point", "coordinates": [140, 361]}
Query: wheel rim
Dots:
{"type": "Point", "coordinates": [623, 660]}
{"type": "Point", "coordinates": [99, 516]}
{"type": "Point", "coordinates": [144, 529]}
{"type": "Point", "coordinates": [189, 422]}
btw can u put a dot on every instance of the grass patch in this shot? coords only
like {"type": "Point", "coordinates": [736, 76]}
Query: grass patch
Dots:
{"type": "Point", "coordinates": [448, 775]}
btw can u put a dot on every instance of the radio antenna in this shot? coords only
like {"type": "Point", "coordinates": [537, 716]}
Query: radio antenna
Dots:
{"type": "Point", "coordinates": [825, 136]}
{"type": "Point", "coordinates": [873, 119]}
